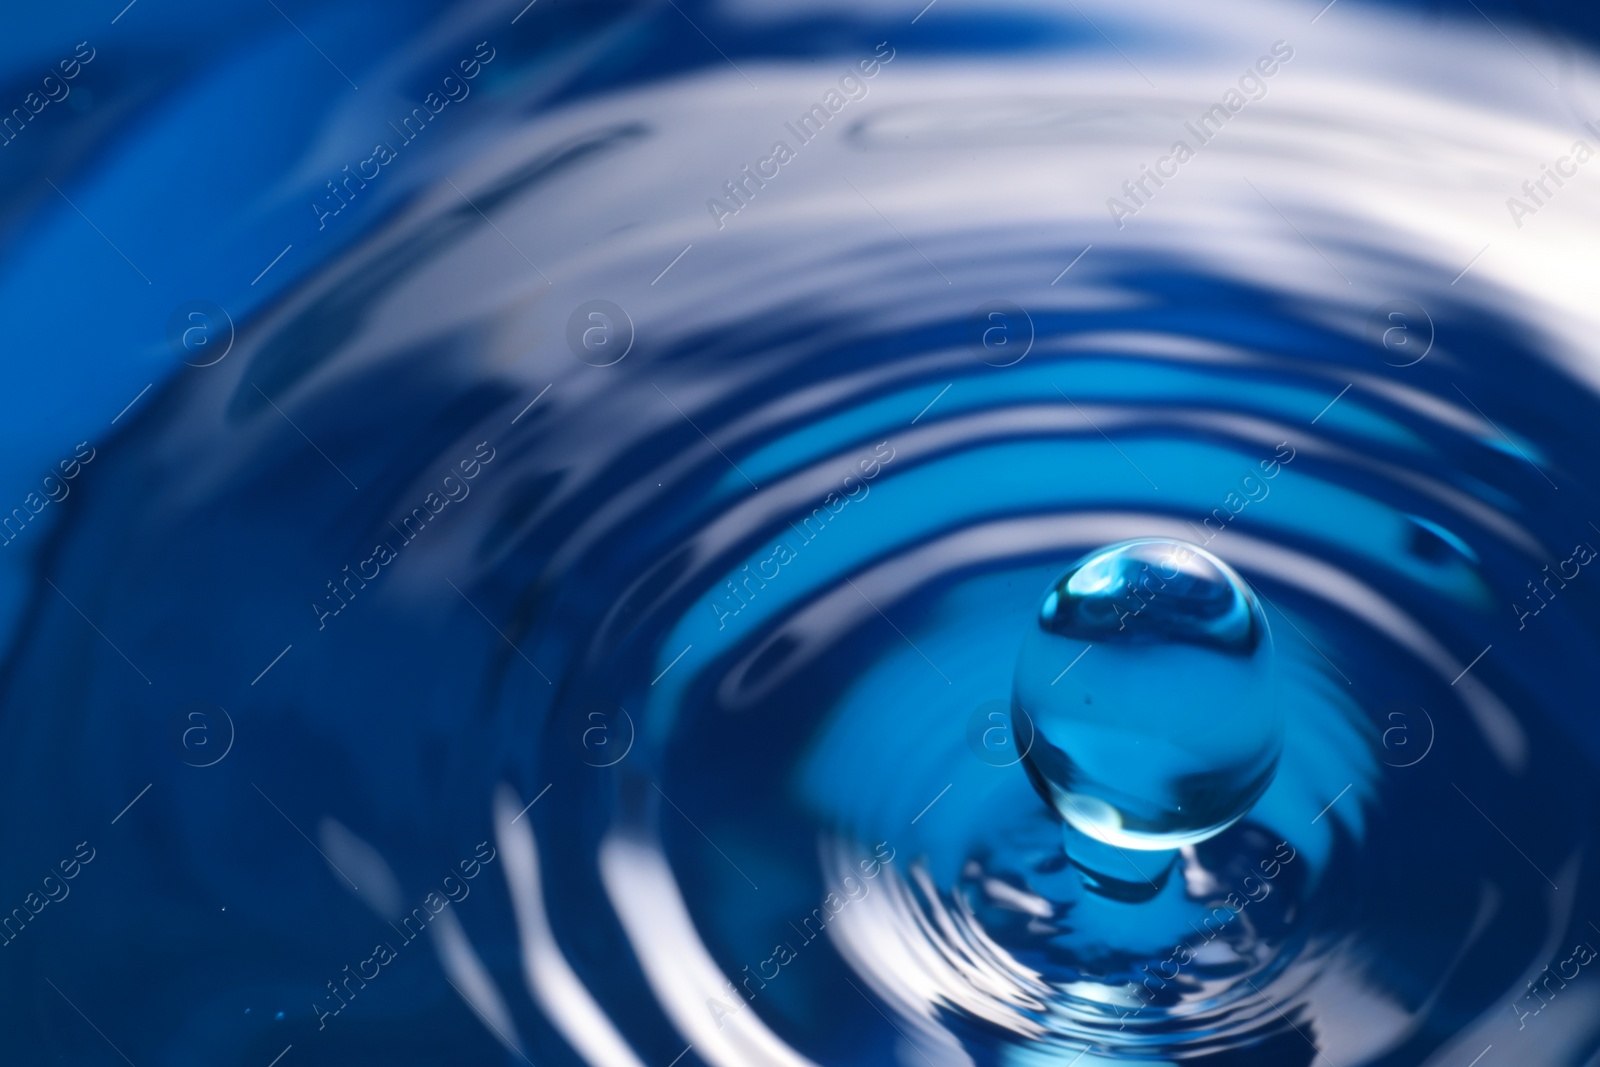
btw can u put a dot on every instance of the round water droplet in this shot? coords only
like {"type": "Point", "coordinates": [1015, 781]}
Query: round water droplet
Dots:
{"type": "Point", "coordinates": [1150, 681]}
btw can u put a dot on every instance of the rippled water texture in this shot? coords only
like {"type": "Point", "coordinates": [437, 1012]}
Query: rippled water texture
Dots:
{"type": "Point", "coordinates": [567, 607]}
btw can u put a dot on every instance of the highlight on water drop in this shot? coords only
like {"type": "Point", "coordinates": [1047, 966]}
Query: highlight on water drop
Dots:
{"type": "Point", "coordinates": [1148, 677]}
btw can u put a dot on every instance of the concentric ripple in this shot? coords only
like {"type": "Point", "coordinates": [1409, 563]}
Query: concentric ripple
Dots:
{"type": "Point", "coordinates": [746, 599]}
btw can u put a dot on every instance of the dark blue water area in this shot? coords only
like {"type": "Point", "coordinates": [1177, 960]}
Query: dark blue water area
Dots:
{"type": "Point", "coordinates": [315, 621]}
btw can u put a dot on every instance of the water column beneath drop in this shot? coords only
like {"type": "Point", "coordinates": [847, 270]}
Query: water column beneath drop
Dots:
{"type": "Point", "coordinates": [1149, 680]}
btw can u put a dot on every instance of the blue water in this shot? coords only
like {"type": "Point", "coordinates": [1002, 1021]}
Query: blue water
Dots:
{"type": "Point", "coordinates": [1173, 731]}
{"type": "Point", "coordinates": [397, 673]}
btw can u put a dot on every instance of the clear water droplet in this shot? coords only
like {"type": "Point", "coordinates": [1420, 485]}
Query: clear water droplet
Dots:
{"type": "Point", "coordinates": [1149, 678]}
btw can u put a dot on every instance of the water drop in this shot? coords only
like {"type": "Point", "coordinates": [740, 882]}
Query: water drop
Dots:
{"type": "Point", "coordinates": [1150, 683]}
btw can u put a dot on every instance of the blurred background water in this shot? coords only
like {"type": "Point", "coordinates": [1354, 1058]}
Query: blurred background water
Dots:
{"type": "Point", "coordinates": [505, 564]}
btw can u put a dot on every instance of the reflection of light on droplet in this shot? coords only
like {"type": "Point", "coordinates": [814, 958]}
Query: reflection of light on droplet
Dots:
{"type": "Point", "coordinates": [1091, 815]}
{"type": "Point", "coordinates": [1171, 730]}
